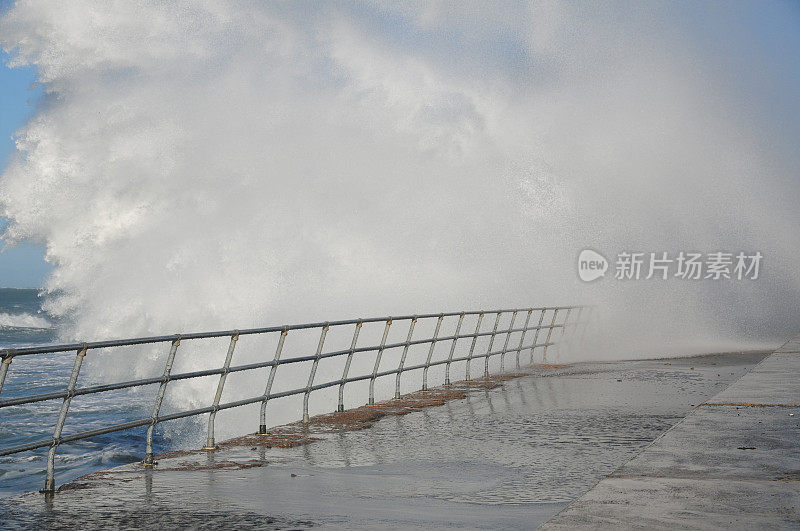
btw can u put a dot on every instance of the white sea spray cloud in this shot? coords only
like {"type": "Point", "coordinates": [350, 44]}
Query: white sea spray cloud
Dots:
{"type": "Point", "coordinates": [204, 165]}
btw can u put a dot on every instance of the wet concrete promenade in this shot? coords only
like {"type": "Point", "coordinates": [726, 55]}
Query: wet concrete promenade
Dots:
{"type": "Point", "coordinates": [734, 462]}
{"type": "Point", "coordinates": [508, 456]}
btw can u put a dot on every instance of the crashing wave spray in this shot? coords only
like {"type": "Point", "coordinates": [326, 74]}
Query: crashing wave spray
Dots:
{"type": "Point", "coordinates": [200, 166]}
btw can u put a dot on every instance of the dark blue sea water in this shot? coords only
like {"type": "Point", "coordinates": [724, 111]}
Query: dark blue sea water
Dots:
{"type": "Point", "coordinates": [23, 323]}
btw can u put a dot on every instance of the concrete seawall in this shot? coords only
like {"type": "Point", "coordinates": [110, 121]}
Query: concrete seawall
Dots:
{"type": "Point", "coordinates": [734, 461]}
{"type": "Point", "coordinates": [505, 454]}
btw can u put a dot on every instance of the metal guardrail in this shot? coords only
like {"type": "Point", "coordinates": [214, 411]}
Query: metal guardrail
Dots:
{"type": "Point", "coordinates": [72, 391]}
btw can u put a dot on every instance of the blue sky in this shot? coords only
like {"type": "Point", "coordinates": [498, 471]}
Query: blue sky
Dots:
{"type": "Point", "coordinates": [22, 265]}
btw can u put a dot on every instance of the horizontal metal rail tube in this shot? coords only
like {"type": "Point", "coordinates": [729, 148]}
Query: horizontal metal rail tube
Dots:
{"type": "Point", "coordinates": [77, 392]}
{"type": "Point", "coordinates": [238, 368]}
{"type": "Point", "coordinates": [43, 443]}
{"type": "Point", "coordinates": [49, 349]}
{"type": "Point", "coordinates": [465, 358]}
{"type": "Point", "coordinates": [395, 371]}
{"type": "Point", "coordinates": [133, 383]}
{"type": "Point", "coordinates": [405, 369]}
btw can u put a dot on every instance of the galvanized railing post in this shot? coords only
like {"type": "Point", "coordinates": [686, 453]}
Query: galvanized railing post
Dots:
{"type": "Point", "coordinates": [564, 325]}
{"type": "Point", "coordinates": [505, 345]}
{"type": "Point", "coordinates": [378, 361]}
{"type": "Point", "coordinates": [4, 370]}
{"type": "Point", "coordinates": [452, 350]}
{"type": "Point", "coordinates": [148, 457]}
{"type": "Point", "coordinates": [577, 324]}
{"type": "Point", "coordinates": [522, 337]}
{"type": "Point", "coordinates": [549, 333]}
{"type": "Point", "coordinates": [262, 425]}
{"type": "Point", "coordinates": [430, 353]}
{"type": "Point", "coordinates": [472, 347]}
{"type": "Point", "coordinates": [403, 357]}
{"type": "Point", "coordinates": [220, 385]}
{"type": "Point", "coordinates": [50, 483]}
{"type": "Point", "coordinates": [491, 343]}
{"type": "Point", "coordinates": [347, 364]}
{"type": "Point", "coordinates": [536, 335]}
{"type": "Point", "coordinates": [583, 325]}
{"type": "Point", "coordinates": [580, 314]}
{"type": "Point", "coordinates": [313, 372]}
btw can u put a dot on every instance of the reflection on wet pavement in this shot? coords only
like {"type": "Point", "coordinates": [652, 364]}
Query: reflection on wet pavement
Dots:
{"type": "Point", "coordinates": [509, 456]}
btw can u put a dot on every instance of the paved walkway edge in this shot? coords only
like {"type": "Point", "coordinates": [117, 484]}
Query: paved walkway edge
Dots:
{"type": "Point", "coordinates": [734, 461]}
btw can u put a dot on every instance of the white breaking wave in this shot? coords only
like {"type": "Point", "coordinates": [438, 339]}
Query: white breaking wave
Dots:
{"type": "Point", "coordinates": [205, 165]}
{"type": "Point", "coordinates": [23, 320]}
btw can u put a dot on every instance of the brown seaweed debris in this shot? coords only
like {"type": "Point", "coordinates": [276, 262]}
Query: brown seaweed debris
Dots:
{"type": "Point", "coordinates": [299, 434]}
{"type": "Point", "coordinates": [288, 436]}
{"type": "Point", "coordinates": [174, 453]}
{"type": "Point", "coordinates": [222, 465]}
{"type": "Point", "coordinates": [90, 481]}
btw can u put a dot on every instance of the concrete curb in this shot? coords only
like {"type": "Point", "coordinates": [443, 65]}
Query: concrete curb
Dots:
{"type": "Point", "coordinates": [734, 461]}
